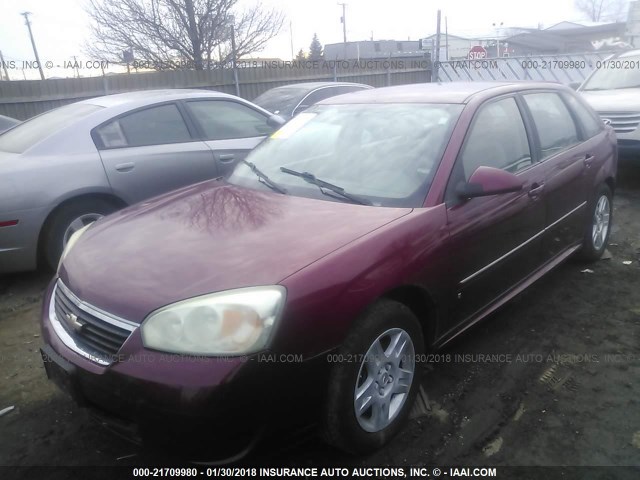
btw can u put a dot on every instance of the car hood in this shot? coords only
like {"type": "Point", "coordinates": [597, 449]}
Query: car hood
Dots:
{"type": "Point", "coordinates": [620, 100]}
{"type": "Point", "coordinates": [207, 238]}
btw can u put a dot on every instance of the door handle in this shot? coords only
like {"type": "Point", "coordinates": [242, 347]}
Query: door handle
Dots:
{"type": "Point", "coordinates": [227, 158]}
{"type": "Point", "coordinates": [588, 160]}
{"type": "Point", "coordinates": [536, 190]}
{"type": "Point", "coordinates": [125, 167]}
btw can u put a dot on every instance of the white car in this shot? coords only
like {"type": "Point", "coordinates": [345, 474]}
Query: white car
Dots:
{"type": "Point", "coordinates": [613, 90]}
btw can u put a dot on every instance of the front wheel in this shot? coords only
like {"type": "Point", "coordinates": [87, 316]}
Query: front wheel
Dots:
{"type": "Point", "coordinates": [374, 383]}
{"type": "Point", "coordinates": [598, 229]}
{"type": "Point", "coordinates": [66, 221]}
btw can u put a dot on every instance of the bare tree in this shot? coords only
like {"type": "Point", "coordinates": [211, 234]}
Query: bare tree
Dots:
{"type": "Point", "coordinates": [603, 10]}
{"type": "Point", "coordinates": [170, 34]}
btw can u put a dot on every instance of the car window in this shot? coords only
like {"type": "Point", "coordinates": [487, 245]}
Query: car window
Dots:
{"type": "Point", "coordinates": [387, 153]}
{"type": "Point", "coordinates": [497, 139]}
{"type": "Point", "coordinates": [591, 123]}
{"type": "Point", "coordinates": [28, 133]}
{"type": "Point", "coordinates": [221, 120]}
{"type": "Point", "coordinates": [152, 126]}
{"type": "Point", "coordinates": [318, 95]}
{"type": "Point", "coordinates": [556, 128]}
{"type": "Point", "coordinates": [348, 89]}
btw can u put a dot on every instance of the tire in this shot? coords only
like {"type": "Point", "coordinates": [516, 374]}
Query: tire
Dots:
{"type": "Point", "coordinates": [598, 228]}
{"type": "Point", "coordinates": [60, 225]}
{"type": "Point", "coordinates": [383, 322]}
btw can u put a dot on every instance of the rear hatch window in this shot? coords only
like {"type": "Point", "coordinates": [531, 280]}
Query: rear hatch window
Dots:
{"type": "Point", "coordinates": [33, 131]}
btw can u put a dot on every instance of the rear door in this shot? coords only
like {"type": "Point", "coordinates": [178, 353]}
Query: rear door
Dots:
{"type": "Point", "coordinates": [151, 151]}
{"type": "Point", "coordinates": [566, 160]}
{"type": "Point", "coordinates": [229, 128]}
{"type": "Point", "coordinates": [495, 240]}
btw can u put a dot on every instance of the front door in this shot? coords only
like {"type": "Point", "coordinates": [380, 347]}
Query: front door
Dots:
{"type": "Point", "coordinates": [495, 240]}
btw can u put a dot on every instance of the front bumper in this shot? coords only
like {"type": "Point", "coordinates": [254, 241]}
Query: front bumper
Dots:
{"type": "Point", "coordinates": [199, 406]}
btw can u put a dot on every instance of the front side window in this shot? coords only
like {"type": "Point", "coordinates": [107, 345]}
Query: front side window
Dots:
{"type": "Point", "coordinates": [497, 138]}
{"type": "Point", "coordinates": [152, 126]}
{"type": "Point", "coordinates": [556, 128]}
{"type": "Point", "coordinates": [222, 120]}
{"type": "Point", "coordinates": [385, 153]}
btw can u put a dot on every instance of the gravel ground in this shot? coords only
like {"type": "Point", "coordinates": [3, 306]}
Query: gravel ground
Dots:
{"type": "Point", "coordinates": [567, 394]}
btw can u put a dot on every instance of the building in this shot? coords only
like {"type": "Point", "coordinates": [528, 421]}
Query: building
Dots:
{"type": "Point", "coordinates": [373, 49]}
{"type": "Point", "coordinates": [567, 37]}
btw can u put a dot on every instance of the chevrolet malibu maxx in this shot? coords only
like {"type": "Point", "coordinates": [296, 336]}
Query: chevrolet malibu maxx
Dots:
{"type": "Point", "coordinates": [306, 288]}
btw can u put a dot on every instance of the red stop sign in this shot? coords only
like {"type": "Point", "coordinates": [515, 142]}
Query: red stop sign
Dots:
{"type": "Point", "coordinates": [477, 52]}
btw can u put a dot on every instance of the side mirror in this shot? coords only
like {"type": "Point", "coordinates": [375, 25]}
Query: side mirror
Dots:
{"type": "Point", "coordinates": [575, 85]}
{"type": "Point", "coordinates": [486, 181]}
{"type": "Point", "coordinates": [276, 121]}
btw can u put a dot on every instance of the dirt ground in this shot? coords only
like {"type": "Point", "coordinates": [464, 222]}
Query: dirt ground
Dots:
{"type": "Point", "coordinates": [566, 391]}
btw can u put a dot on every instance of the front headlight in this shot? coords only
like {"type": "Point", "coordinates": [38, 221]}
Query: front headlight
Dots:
{"type": "Point", "coordinates": [234, 322]}
{"type": "Point", "coordinates": [72, 241]}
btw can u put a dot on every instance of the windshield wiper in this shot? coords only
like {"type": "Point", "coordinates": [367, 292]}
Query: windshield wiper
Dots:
{"type": "Point", "coordinates": [311, 178]}
{"type": "Point", "coordinates": [263, 178]}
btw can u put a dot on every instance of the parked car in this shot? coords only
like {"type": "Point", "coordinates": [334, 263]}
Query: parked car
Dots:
{"type": "Point", "coordinates": [309, 285]}
{"type": "Point", "coordinates": [290, 100]}
{"type": "Point", "coordinates": [7, 122]}
{"type": "Point", "coordinates": [70, 166]}
{"type": "Point", "coordinates": [613, 90]}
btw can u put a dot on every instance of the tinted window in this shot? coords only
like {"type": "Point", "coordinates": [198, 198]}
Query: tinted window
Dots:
{"type": "Point", "coordinates": [221, 120]}
{"type": "Point", "coordinates": [315, 97]}
{"type": "Point", "coordinates": [591, 123]}
{"type": "Point", "coordinates": [27, 134]}
{"type": "Point", "coordinates": [152, 126]}
{"type": "Point", "coordinates": [556, 128]}
{"type": "Point", "coordinates": [282, 99]}
{"type": "Point", "coordinates": [497, 139]}
{"type": "Point", "coordinates": [6, 123]}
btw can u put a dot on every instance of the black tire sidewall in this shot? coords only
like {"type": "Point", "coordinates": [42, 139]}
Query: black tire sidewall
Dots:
{"type": "Point", "coordinates": [53, 237]}
{"type": "Point", "coordinates": [341, 425]}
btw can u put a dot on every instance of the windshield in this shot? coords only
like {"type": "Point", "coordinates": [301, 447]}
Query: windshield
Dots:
{"type": "Point", "coordinates": [27, 134]}
{"type": "Point", "coordinates": [614, 78]}
{"type": "Point", "coordinates": [386, 154]}
{"type": "Point", "coordinates": [281, 100]}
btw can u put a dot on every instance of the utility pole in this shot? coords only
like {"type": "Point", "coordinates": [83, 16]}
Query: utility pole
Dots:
{"type": "Point", "coordinates": [293, 56]}
{"type": "Point", "coordinates": [234, 58]}
{"type": "Point", "coordinates": [4, 67]}
{"type": "Point", "coordinates": [497, 27]}
{"type": "Point", "coordinates": [343, 20]}
{"type": "Point", "coordinates": [436, 63]}
{"type": "Point", "coordinates": [33, 43]}
{"type": "Point", "coordinates": [446, 39]}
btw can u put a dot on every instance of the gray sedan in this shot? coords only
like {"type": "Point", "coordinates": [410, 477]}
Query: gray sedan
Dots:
{"type": "Point", "coordinates": [68, 167]}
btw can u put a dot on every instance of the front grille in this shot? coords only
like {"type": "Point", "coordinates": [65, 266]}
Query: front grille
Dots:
{"type": "Point", "coordinates": [622, 122]}
{"type": "Point", "coordinates": [90, 333]}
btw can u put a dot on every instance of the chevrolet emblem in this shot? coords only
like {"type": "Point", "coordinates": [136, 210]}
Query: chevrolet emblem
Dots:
{"type": "Point", "coordinates": [72, 321]}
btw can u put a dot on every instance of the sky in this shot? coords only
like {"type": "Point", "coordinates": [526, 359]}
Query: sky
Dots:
{"type": "Point", "coordinates": [61, 27]}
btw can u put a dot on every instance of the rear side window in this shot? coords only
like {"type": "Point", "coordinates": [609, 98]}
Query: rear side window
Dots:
{"type": "Point", "coordinates": [497, 139]}
{"type": "Point", "coordinates": [33, 131]}
{"type": "Point", "coordinates": [591, 123]}
{"type": "Point", "coordinates": [222, 120]}
{"type": "Point", "coordinates": [556, 128]}
{"type": "Point", "coordinates": [152, 126]}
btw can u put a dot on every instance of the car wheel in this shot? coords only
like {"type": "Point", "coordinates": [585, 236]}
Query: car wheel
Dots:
{"type": "Point", "coordinates": [599, 225]}
{"type": "Point", "coordinates": [68, 220]}
{"type": "Point", "coordinates": [374, 381]}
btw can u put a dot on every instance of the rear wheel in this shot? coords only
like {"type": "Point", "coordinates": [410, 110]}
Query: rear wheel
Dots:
{"type": "Point", "coordinates": [374, 382]}
{"type": "Point", "coordinates": [597, 233]}
{"type": "Point", "coordinates": [67, 220]}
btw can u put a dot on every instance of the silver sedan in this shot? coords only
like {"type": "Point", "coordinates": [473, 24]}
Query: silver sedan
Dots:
{"type": "Point", "coordinates": [68, 167]}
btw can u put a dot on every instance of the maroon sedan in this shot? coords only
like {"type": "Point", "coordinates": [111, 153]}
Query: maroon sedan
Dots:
{"type": "Point", "coordinates": [370, 228]}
